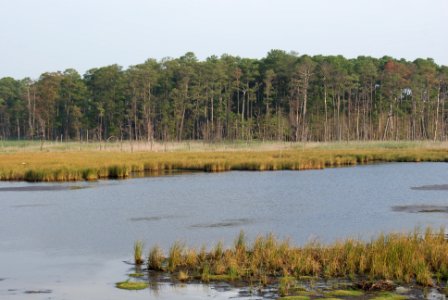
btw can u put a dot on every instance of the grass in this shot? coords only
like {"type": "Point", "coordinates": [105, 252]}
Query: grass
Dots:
{"type": "Point", "coordinates": [138, 252]}
{"type": "Point", "coordinates": [389, 296]}
{"type": "Point", "coordinates": [285, 285]}
{"type": "Point", "coordinates": [294, 298]}
{"type": "Point", "coordinates": [345, 293]}
{"type": "Point", "coordinates": [414, 257]}
{"type": "Point", "coordinates": [155, 258]}
{"type": "Point", "coordinates": [132, 285]}
{"type": "Point", "coordinates": [182, 276]}
{"type": "Point", "coordinates": [136, 275]}
{"type": "Point", "coordinates": [91, 164]}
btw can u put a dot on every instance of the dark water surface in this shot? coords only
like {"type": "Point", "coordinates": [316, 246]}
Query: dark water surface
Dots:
{"type": "Point", "coordinates": [68, 241]}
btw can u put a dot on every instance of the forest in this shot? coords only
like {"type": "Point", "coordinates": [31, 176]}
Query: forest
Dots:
{"type": "Point", "coordinates": [283, 96]}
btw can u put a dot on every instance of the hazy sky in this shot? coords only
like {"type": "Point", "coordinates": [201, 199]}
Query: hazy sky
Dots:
{"type": "Point", "coordinates": [50, 35]}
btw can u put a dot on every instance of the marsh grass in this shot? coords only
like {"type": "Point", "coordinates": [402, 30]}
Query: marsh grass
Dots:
{"type": "Point", "coordinates": [389, 296]}
{"type": "Point", "coordinates": [175, 258]}
{"type": "Point", "coordinates": [415, 257]}
{"type": "Point", "coordinates": [138, 252]}
{"type": "Point", "coordinates": [182, 276]}
{"type": "Point", "coordinates": [92, 164]}
{"type": "Point", "coordinates": [136, 275]}
{"type": "Point", "coordinates": [301, 297]}
{"type": "Point", "coordinates": [155, 259]}
{"type": "Point", "coordinates": [345, 293]}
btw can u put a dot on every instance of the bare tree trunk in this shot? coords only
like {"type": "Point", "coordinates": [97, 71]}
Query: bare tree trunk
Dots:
{"type": "Point", "coordinates": [357, 117]}
{"type": "Point", "coordinates": [181, 129]}
{"type": "Point", "coordinates": [18, 128]}
{"type": "Point", "coordinates": [437, 114]}
{"type": "Point", "coordinates": [326, 114]}
{"type": "Point", "coordinates": [338, 117]}
{"type": "Point", "coordinates": [297, 116]}
{"type": "Point", "coordinates": [305, 100]}
{"type": "Point", "coordinates": [242, 113]}
{"type": "Point", "coordinates": [212, 111]}
{"type": "Point", "coordinates": [30, 114]}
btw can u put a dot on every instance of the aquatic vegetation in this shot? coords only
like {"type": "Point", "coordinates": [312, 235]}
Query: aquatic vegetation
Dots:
{"type": "Point", "coordinates": [294, 298]}
{"type": "Point", "coordinates": [132, 285]}
{"type": "Point", "coordinates": [417, 256]}
{"type": "Point", "coordinates": [175, 258]}
{"type": "Point", "coordinates": [138, 252]}
{"type": "Point", "coordinates": [136, 275]}
{"type": "Point", "coordinates": [345, 293]}
{"type": "Point", "coordinates": [91, 164]}
{"type": "Point", "coordinates": [155, 259]}
{"type": "Point", "coordinates": [285, 285]}
{"type": "Point", "coordinates": [389, 296]}
{"type": "Point", "coordinates": [182, 276]}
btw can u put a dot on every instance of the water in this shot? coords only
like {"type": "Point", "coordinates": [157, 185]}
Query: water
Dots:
{"type": "Point", "coordinates": [69, 241]}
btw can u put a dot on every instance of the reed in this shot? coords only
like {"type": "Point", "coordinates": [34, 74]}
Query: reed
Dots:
{"type": "Point", "coordinates": [419, 257]}
{"type": "Point", "coordinates": [138, 252]}
{"type": "Point", "coordinates": [182, 276]}
{"type": "Point", "coordinates": [175, 258]}
{"type": "Point", "coordinates": [94, 164]}
{"type": "Point", "coordinates": [155, 259]}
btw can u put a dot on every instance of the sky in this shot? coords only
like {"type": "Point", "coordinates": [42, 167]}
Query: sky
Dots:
{"type": "Point", "coordinates": [53, 35]}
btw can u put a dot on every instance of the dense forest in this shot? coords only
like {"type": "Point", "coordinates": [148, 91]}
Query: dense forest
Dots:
{"type": "Point", "coordinates": [282, 96]}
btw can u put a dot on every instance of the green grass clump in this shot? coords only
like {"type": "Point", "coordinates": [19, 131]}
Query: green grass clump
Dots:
{"type": "Point", "coordinates": [222, 277]}
{"type": "Point", "coordinates": [294, 298]}
{"type": "Point", "coordinates": [136, 275]}
{"type": "Point", "coordinates": [138, 252]}
{"type": "Point", "coordinates": [132, 285]}
{"type": "Point", "coordinates": [345, 293]}
{"type": "Point", "coordinates": [389, 296]}
{"type": "Point", "coordinates": [285, 285]}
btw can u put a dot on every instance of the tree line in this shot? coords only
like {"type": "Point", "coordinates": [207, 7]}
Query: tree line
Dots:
{"type": "Point", "coordinates": [282, 96]}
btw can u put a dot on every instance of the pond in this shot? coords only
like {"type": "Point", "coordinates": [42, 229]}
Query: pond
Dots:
{"type": "Point", "coordinates": [70, 240]}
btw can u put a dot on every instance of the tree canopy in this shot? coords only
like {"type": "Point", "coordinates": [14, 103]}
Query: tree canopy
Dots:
{"type": "Point", "coordinates": [283, 96]}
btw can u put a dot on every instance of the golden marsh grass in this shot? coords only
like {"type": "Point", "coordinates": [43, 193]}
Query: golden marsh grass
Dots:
{"type": "Point", "coordinates": [74, 165]}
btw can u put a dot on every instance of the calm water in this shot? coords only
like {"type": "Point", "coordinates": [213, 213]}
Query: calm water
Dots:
{"type": "Point", "coordinates": [71, 243]}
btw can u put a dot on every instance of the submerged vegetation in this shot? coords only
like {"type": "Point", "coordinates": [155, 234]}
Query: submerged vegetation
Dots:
{"type": "Point", "coordinates": [93, 165]}
{"type": "Point", "coordinates": [420, 257]}
{"type": "Point", "coordinates": [132, 285]}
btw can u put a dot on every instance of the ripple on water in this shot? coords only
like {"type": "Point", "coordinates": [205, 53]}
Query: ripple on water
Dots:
{"type": "Point", "coordinates": [38, 292]}
{"type": "Point", "coordinates": [421, 208]}
{"type": "Point", "coordinates": [30, 205]}
{"type": "Point", "coordinates": [41, 188]}
{"type": "Point", "coordinates": [153, 218]}
{"type": "Point", "coordinates": [224, 223]}
{"type": "Point", "coordinates": [434, 187]}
